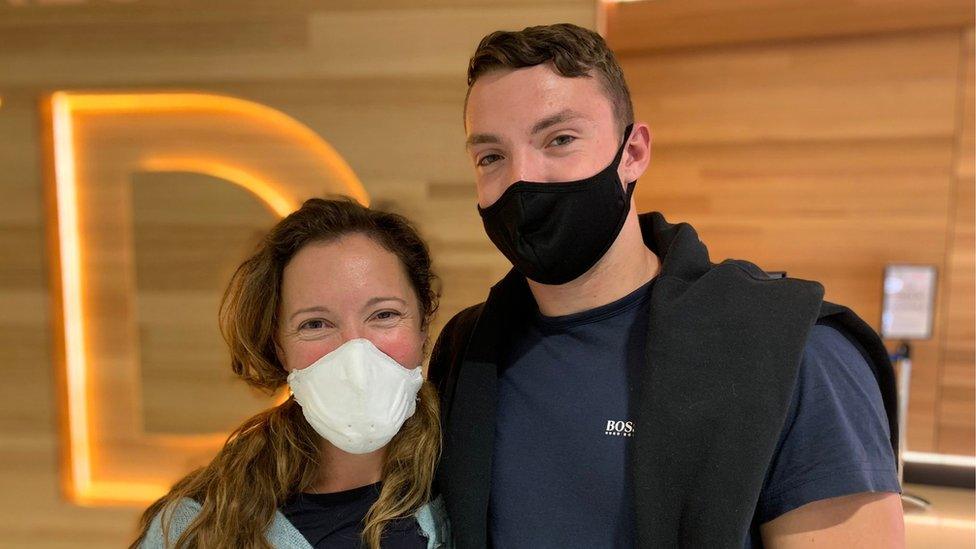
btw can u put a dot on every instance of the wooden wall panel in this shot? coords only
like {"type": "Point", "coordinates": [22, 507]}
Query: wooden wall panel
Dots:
{"type": "Point", "coordinates": [826, 158]}
{"type": "Point", "coordinates": [342, 41]}
{"type": "Point", "coordinates": [893, 87]}
{"type": "Point", "coordinates": [957, 409]}
{"type": "Point", "coordinates": [230, 35]}
{"type": "Point", "coordinates": [672, 24]}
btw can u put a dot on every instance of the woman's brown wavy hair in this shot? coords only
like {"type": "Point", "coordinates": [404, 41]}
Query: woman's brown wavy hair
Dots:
{"type": "Point", "coordinates": [275, 454]}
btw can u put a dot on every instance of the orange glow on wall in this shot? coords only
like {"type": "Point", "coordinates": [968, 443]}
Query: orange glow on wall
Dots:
{"type": "Point", "coordinates": [97, 142]}
{"type": "Point", "coordinates": [266, 190]}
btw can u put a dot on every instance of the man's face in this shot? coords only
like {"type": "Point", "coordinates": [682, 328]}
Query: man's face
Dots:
{"type": "Point", "coordinates": [532, 124]}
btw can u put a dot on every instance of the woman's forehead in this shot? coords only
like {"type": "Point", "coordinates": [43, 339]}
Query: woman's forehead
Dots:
{"type": "Point", "coordinates": [347, 270]}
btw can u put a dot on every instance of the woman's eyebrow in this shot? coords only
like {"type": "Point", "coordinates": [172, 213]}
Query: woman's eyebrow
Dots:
{"type": "Point", "coordinates": [316, 309]}
{"type": "Point", "coordinates": [376, 300]}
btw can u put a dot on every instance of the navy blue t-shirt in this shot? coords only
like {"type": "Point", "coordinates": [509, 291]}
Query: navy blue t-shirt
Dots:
{"type": "Point", "coordinates": [565, 425]}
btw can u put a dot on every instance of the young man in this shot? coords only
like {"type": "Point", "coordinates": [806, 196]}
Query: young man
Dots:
{"type": "Point", "coordinates": [617, 389]}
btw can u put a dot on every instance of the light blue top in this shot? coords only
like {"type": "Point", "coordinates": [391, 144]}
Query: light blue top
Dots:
{"type": "Point", "coordinates": [432, 519]}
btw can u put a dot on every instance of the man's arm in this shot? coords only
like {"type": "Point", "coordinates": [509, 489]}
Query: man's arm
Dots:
{"type": "Point", "coordinates": [859, 520]}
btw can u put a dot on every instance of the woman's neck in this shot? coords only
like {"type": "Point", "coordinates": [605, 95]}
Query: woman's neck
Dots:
{"type": "Point", "coordinates": [341, 470]}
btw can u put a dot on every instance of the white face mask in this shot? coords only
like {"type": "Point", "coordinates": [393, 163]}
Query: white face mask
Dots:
{"type": "Point", "coordinates": [356, 397]}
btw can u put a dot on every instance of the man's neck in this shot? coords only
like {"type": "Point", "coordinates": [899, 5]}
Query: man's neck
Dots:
{"type": "Point", "coordinates": [626, 266]}
{"type": "Point", "coordinates": [342, 471]}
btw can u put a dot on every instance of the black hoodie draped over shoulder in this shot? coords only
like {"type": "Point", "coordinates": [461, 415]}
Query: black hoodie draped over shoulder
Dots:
{"type": "Point", "coordinates": [724, 345]}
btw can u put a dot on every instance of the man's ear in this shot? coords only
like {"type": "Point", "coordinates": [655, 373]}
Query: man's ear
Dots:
{"type": "Point", "coordinates": [637, 153]}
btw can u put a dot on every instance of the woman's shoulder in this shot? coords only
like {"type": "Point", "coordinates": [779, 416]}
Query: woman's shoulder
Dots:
{"type": "Point", "coordinates": [177, 520]}
{"type": "Point", "coordinates": [433, 522]}
{"type": "Point", "coordinates": [281, 534]}
{"type": "Point", "coordinates": [431, 517]}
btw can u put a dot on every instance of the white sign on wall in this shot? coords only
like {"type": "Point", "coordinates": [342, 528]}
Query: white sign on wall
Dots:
{"type": "Point", "coordinates": [909, 301]}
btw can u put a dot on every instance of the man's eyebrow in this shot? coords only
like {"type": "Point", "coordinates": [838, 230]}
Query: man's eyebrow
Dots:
{"type": "Point", "coordinates": [549, 121]}
{"type": "Point", "coordinates": [482, 138]}
{"type": "Point", "coordinates": [558, 118]}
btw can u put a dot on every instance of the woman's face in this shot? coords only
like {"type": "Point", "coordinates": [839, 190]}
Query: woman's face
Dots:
{"type": "Point", "coordinates": [349, 288]}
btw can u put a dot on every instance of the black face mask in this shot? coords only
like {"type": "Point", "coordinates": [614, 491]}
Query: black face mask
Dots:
{"type": "Point", "coordinates": [554, 232]}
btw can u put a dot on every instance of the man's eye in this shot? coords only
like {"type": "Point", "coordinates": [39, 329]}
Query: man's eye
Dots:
{"type": "Point", "coordinates": [314, 324]}
{"type": "Point", "coordinates": [562, 140]}
{"type": "Point", "coordinates": [488, 159]}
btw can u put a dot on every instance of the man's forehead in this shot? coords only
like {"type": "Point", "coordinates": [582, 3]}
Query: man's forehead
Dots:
{"type": "Point", "coordinates": [528, 100]}
{"type": "Point", "coordinates": [503, 87]}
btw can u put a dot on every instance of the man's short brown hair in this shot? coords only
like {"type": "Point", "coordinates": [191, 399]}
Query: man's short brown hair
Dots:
{"type": "Point", "coordinates": [572, 51]}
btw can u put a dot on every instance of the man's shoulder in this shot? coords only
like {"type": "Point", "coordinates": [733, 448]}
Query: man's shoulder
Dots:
{"type": "Point", "coordinates": [452, 342]}
{"type": "Point", "coordinates": [835, 361]}
{"type": "Point", "coordinates": [830, 353]}
{"type": "Point", "coordinates": [466, 317]}
{"type": "Point", "coordinates": [836, 440]}
{"type": "Point", "coordinates": [826, 340]}
{"type": "Point", "coordinates": [457, 330]}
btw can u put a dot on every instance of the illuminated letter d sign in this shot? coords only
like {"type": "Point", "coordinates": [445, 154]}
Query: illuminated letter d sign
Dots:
{"type": "Point", "coordinates": [97, 141]}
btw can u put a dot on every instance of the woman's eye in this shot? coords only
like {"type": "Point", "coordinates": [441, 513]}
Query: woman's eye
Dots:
{"type": "Point", "coordinates": [488, 159]}
{"type": "Point", "coordinates": [387, 315]}
{"type": "Point", "coordinates": [314, 324]}
{"type": "Point", "coordinates": [562, 140]}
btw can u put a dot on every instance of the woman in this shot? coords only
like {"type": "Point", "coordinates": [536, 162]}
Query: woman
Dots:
{"type": "Point", "coordinates": [336, 302]}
